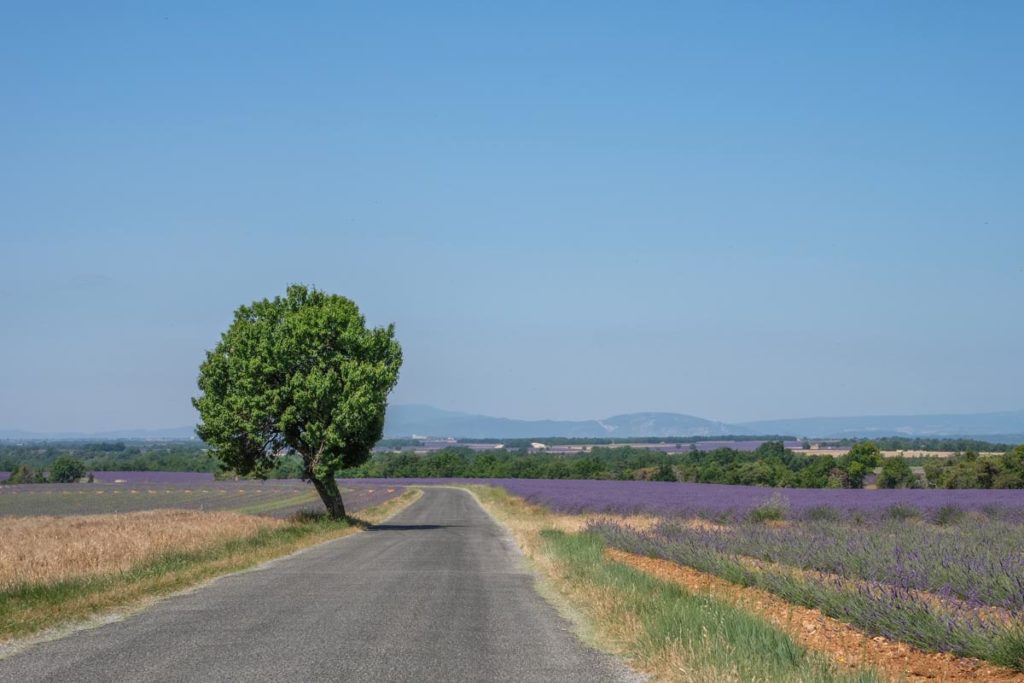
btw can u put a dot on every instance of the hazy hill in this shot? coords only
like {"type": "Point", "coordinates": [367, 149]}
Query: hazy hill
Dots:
{"type": "Point", "coordinates": [1005, 424]}
{"type": "Point", "coordinates": [406, 420]}
{"type": "Point", "coordinates": [422, 420]}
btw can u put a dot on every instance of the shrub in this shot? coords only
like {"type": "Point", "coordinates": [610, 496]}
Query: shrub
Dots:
{"type": "Point", "coordinates": [774, 509]}
{"type": "Point", "coordinates": [664, 473]}
{"type": "Point", "coordinates": [948, 514]}
{"type": "Point", "coordinates": [896, 474]}
{"type": "Point", "coordinates": [993, 511]}
{"type": "Point", "coordinates": [823, 513]}
{"type": "Point", "coordinates": [66, 470]}
{"type": "Point", "coordinates": [900, 511]}
{"type": "Point", "coordinates": [24, 474]}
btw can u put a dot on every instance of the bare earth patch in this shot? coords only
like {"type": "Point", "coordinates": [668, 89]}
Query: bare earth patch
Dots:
{"type": "Point", "coordinates": [812, 629]}
{"type": "Point", "coordinates": [47, 549]}
{"type": "Point", "coordinates": [576, 523]}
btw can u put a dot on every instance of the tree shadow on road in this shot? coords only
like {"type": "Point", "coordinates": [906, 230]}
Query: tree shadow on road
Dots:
{"type": "Point", "coordinates": [409, 527]}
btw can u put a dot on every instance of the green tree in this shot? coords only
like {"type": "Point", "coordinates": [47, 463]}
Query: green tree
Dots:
{"type": "Point", "coordinates": [896, 474]}
{"type": "Point", "coordinates": [66, 470]}
{"type": "Point", "coordinates": [815, 473]}
{"type": "Point", "coordinates": [446, 463]}
{"type": "Point", "coordinates": [298, 374]}
{"type": "Point", "coordinates": [24, 474]}
{"type": "Point", "coordinates": [1011, 471]}
{"type": "Point", "coordinates": [664, 473]}
{"type": "Point", "coordinates": [863, 457]}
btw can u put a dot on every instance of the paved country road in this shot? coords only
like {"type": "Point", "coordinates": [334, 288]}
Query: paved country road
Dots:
{"type": "Point", "coordinates": [439, 593]}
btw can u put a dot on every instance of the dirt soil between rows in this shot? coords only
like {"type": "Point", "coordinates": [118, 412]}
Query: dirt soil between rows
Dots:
{"type": "Point", "coordinates": [847, 646]}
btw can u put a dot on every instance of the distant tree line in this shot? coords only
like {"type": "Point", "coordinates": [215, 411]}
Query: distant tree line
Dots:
{"type": "Point", "coordinates": [110, 456]}
{"type": "Point", "coordinates": [525, 443]}
{"type": "Point", "coordinates": [887, 443]}
{"type": "Point", "coordinates": [770, 465]}
{"type": "Point", "coordinates": [64, 470]}
{"type": "Point", "coordinates": [972, 471]}
{"type": "Point", "coordinates": [934, 444]}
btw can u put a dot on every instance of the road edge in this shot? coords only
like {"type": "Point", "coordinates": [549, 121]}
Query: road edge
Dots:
{"type": "Point", "coordinates": [13, 646]}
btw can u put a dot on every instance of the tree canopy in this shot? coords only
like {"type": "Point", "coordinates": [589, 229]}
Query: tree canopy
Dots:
{"type": "Point", "coordinates": [862, 458]}
{"type": "Point", "coordinates": [896, 474]}
{"type": "Point", "coordinates": [298, 374]}
{"type": "Point", "coordinates": [66, 470]}
{"type": "Point", "coordinates": [972, 471]}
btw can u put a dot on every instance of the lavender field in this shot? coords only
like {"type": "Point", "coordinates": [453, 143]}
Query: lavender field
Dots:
{"type": "Point", "coordinates": [120, 477]}
{"type": "Point", "coordinates": [975, 560]}
{"type": "Point", "coordinates": [722, 501]}
{"type": "Point", "coordinates": [942, 570]}
{"type": "Point", "coordinates": [137, 491]}
{"type": "Point", "coordinates": [137, 477]}
{"type": "Point", "coordinates": [953, 587]}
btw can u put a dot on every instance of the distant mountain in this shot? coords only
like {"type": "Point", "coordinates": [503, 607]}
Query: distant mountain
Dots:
{"type": "Point", "coordinates": [407, 420]}
{"type": "Point", "coordinates": [665, 424]}
{"type": "Point", "coordinates": [422, 420]}
{"type": "Point", "coordinates": [1007, 426]}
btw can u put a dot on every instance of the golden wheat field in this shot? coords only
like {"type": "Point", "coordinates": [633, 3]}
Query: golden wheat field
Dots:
{"type": "Point", "coordinates": [46, 549]}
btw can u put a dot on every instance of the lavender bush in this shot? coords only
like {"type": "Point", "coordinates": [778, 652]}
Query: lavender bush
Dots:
{"type": "Point", "coordinates": [978, 562]}
{"type": "Point", "coordinates": [892, 610]}
{"type": "Point", "coordinates": [730, 502]}
{"type": "Point", "coordinates": [723, 500]}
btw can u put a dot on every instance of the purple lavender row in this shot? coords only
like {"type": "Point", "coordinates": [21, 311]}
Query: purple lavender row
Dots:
{"type": "Point", "coordinates": [897, 611]}
{"type": "Point", "coordinates": [977, 561]}
{"type": "Point", "coordinates": [683, 499]}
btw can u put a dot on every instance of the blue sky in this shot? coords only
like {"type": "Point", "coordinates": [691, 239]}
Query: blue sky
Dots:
{"type": "Point", "coordinates": [570, 210]}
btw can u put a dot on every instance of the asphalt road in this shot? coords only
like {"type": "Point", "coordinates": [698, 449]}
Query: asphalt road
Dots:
{"type": "Point", "coordinates": [439, 593]}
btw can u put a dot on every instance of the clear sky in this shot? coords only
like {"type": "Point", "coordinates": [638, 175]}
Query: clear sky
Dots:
{"type": "Point", "coordinates": [569, 210]}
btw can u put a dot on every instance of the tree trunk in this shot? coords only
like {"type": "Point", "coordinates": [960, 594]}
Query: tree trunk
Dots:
{"type": "Point", "coordinates": [329, 494]}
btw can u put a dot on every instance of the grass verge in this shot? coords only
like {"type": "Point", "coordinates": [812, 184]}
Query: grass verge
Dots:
{"type": "Point", "coordinates": [846, 645]}
{"type": "Point", "coordinates": [876, 608]}
{"type": "Point", "coordinates": [660, 627]}
{"type": "Point", "coordinates": [31, 608]}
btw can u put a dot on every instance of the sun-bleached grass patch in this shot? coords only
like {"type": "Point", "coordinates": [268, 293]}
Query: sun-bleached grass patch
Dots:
{"type": "Point", "coordinates": [46, 549]}
{"type": "Point", "coordinates": [29, 607]}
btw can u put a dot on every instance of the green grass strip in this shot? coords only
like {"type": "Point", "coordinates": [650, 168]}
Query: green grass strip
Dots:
{"type": "Point", "coordinates": [711, 639]}
{"type": "Point", "coordinates": [875, 609]}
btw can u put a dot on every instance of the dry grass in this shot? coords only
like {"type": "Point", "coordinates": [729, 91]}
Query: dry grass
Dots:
{"type": "Point", "coordinates": [574, 523]}
{"type": "Point", "coordinates": [46, 549]}
{"type": "Point", "coordinates": [31, 606]}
